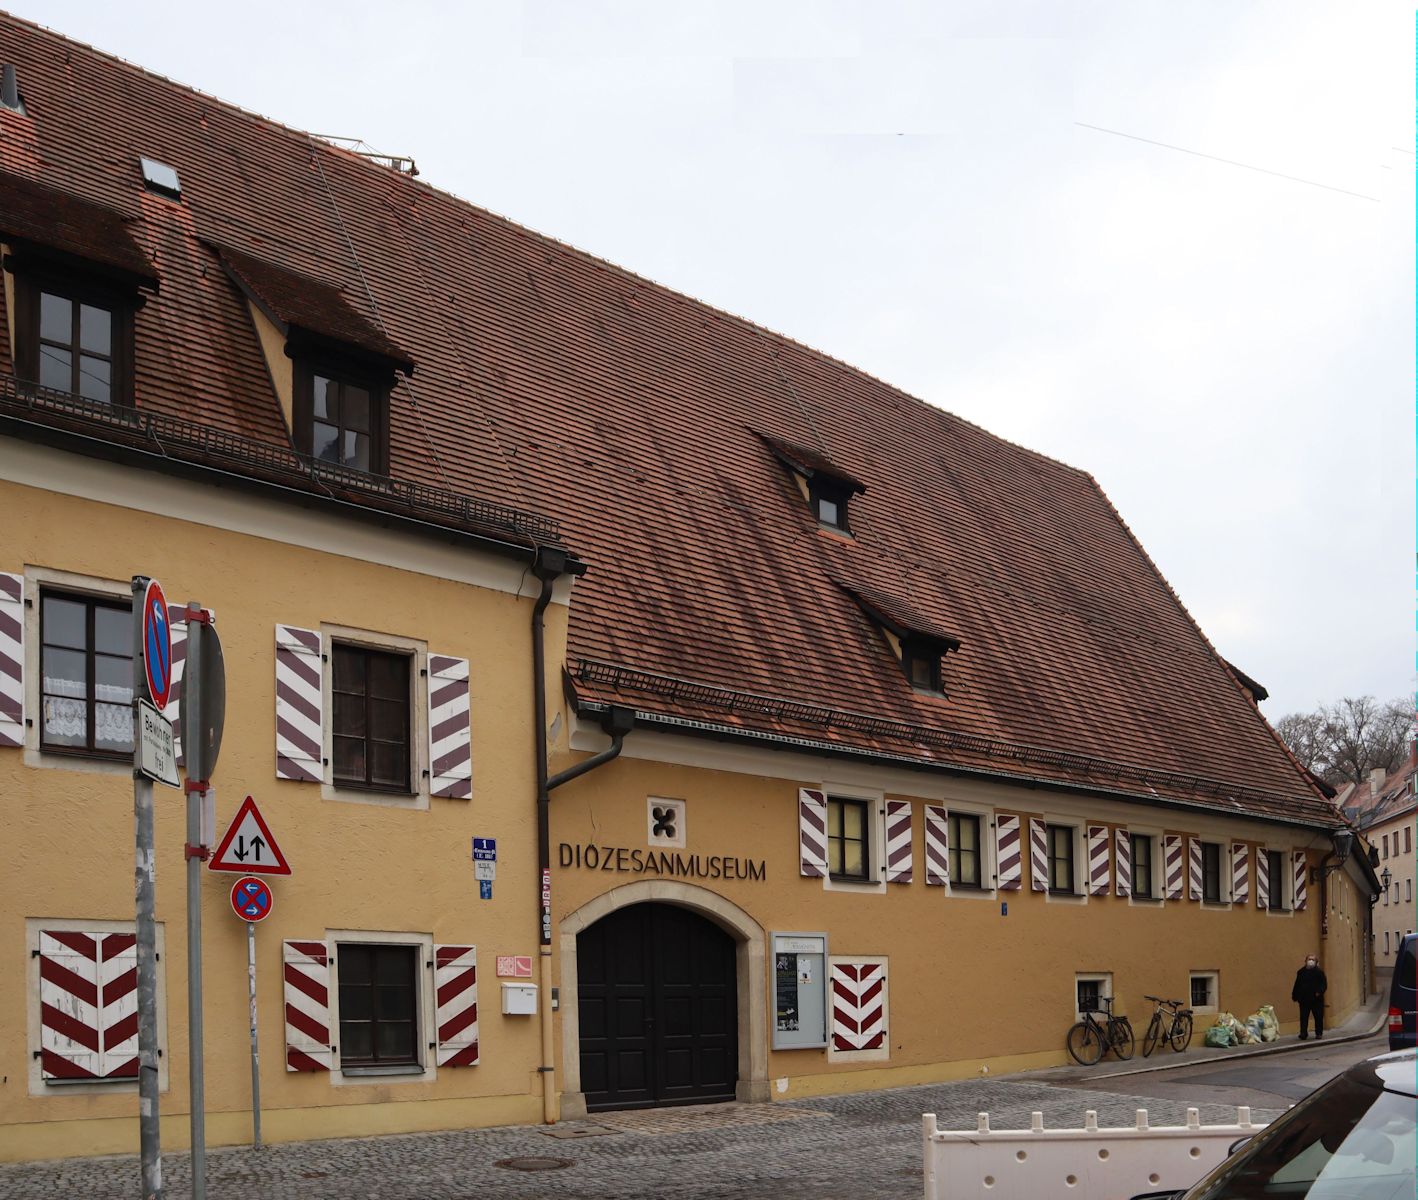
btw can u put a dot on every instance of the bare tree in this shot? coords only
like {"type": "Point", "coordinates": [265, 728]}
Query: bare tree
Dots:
{"type": "Point", "coordinates": [1343, 742]}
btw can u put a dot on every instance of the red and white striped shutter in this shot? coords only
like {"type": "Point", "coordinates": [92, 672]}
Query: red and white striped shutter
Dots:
{"type": "Point", "coordinates": [899, 861]}
{"type": "Point", "coordinates": [1009, 855]}
{"type": "Point", "coordinates": [299, 705]}
{"type": "Point", "coordinates": [1098, 881]}
{"type": "Point", "coordinates": [1262, 879]}
{"type": "Point", "coordinates": [1038, 855]}
{"type": "Point", "coordinates": [455, 981]}
{"type": "Point", "coordinates": [118, 999]}
{"type": "Point", "coordinates": [70, 1046]}
{"type": "Point", "coordinates": [1172, 865]}
{"type": "Point", "coordinates": [1194, 887]}
{"type": "Point", "coordinates": [12, 660]}
{"type": "Point", "coordinates": [1240, 873]}
{"type": "Point", "coordinates": [450, 748]}
{"type": "Point", "coordinates": [858, 1005]}
{"type": "Point", "coordinates": [1122, 855]}
{"type": "Point", "coordinates": [177, 634]}
{"type": "Point", "coordinates": [937, 846]}
{"type": "Point", "coordinates": [1301, 878]}
{"type": "Point", "coordinates": [309, 1046]}
{"type": "Point", "coordinates": [812, 833]}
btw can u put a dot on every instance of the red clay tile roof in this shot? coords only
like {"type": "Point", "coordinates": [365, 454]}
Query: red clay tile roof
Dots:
{"type": "Point", "coordinates": [808, 462]}
{"type": "Point", "coordinates": [46, 216]}
{"type": "Point", "coordinates": [291, 298]}
{"type": "Point", "coordinates": [553, 381]}
{"type": "Point", "coordinates": [896, 614]}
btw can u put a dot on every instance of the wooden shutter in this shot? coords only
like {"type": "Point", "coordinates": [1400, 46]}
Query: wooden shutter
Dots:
{"type": "Point", "coordinates": [456, 1003]}
{"type": "Point", "coordinates": [1302, 878]}
{"type": "Point", "coordinates": [299, 705]}
{"type": "Point", "coordinates": [858, 994]}
{"type": "Point", "coordinates": [88, 1005]}
{"type": "Point", "coordinates": [450, 750]}
{"type": "Point", "coordinates": [1172, 865]}
{"type": "Point", "coordinates": [12, 660]}
{"type": "Point", "coordinates": [899, 860]}
{"type": "Point", "coordinates": [177, 635]}
{"type": "Point", "coordinates": [1038, 855]}
{"type": "Point", "coordinates": [937, 846]}
{"type": "Point", "coordinates": [1122, 855]}
{"type": "Point", "coordinates": [309, 1045]}
{"type": "Point", "coordinates": [1194, 883]}
{"type": "Point", "coordinates": [1240, 873]}
{"type": "Point", "coordinates": [812, 833]}
{"type": "Point", "coordinates": [1098, 881]}
{"type": "Point", "coordinates": [1263, 880]}
{"type": "Point", "coordinates": [1009, 855]}
{"type": "Point", "coordinates": [118, 1000]}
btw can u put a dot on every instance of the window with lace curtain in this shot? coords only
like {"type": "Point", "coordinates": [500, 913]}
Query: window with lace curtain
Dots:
{"type": "Point", "coordinates": [86, 675]}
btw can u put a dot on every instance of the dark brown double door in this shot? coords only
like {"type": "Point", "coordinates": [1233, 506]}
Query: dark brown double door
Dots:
{"type": "Point", "coordinates": [657, 1009]}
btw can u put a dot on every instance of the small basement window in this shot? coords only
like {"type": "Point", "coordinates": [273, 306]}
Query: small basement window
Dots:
{"type": "Point", "coordinates": [161, 178]}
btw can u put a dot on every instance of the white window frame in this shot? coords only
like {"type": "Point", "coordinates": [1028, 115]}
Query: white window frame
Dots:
{"type": "Point", "coordinates": [1079, 829]}
{"type": "Point", "coordinates": [875, 882]}
{"type": "Point", "coordinates": [1386, 949]}
{"type": "Point", "coordinates": [989, 849]}
{"type": "Point", "coordinates": [417, 798]}
{"type": "Point", "coordinates": [1214, 989]}
{"type": "Point", "coordinates": [38, 1085]}
{"type": "Point", "coordinates": [1287, 880]}
{"type": "Point", "coordinates": [1408, 890]}
{"type": "Point", "coordinates": [426, 1004]}
{"type": "Point", "coordinates": [1103, 978]}
{"type": "Point", "coordinates": [1159, 883]}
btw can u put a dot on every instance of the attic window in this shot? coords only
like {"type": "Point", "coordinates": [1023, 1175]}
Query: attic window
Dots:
{"type": "Point", "coordinates": [827, 486]}
{"type": "Point", "coordinates": [921, 662]}
{"type": "Point", "coordinates": [919, 643]}
{"type": "Point", "coordinates": [829, 503]}
{"type": "Point", "coordinates": [161, 178]}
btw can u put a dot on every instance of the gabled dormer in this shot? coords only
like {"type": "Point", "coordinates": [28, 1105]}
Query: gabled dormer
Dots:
{"type": "Point", "coordinates": [825, 486]}
{"type": "Point", "coordinates": [332, 367]}
{"type": "Point", "coordinates": [920, 645]}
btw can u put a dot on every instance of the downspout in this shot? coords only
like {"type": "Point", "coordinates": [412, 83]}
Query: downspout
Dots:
{"type": "Point", "coordinates": [550, 565]}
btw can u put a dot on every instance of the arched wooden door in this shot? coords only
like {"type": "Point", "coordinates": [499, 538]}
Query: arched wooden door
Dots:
{"type": "Point", "coordinates": [657, 1009]}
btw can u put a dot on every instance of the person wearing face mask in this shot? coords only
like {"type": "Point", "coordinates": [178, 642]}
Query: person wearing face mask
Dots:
{"type": "Point", "coordinates": [1308, 992]}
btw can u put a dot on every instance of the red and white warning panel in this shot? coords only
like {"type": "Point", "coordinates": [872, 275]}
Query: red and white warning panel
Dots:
{"type": "Point", "coordinates": [247, 847]}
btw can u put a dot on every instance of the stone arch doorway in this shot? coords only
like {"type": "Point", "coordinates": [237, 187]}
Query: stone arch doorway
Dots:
{"type": "Point", "coordinates": [630, 918]}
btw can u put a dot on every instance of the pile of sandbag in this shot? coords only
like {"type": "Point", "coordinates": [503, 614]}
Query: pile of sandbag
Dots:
{"type": "Point", "coordinates": [1260, 1026]}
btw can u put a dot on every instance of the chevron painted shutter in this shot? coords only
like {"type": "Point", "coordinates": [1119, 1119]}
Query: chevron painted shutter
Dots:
{"type": "Point", "coordinates": [299, 705]}
{"type": "Point", "coordinates": [88, 1005]}
{"type": "Point", "coordinates": [1262, 879]}
{"type": "Point", "coordinates": [309, 1046]}
{"type": "Point", "coordinates": [12, 660]}
{"type": "Point", "coordinates": [937, 846]}
{"type": "Point", "coordinates": [1098, 881]}
{"type": "Point", "coordinates": [177, 634]}
{"type": "Point", "coordinates": [1194, 888]}
{"type": "Point", "coordinates": [1301, 878]}
{"type": "Point", "coordinates": [858, 1005]}
{"type": "Point", "coordinates": [899, 864]}
{"type": "Point", "coordinates": [450, 751]}
{"type": "Point", "coordinates": [812, 833]}
{"type": "Point", "coordinates": [1009, 866]}
{"type": "Point", "coordinates": [1038, 855]}
{"type": "Point", "coordinates": [1172, 865]}
{"type": "Point", "coordinates": [1122, 855]}
{"type": "Point", "coordinates": [1240, 873]}
{"type": "Point", "coordinates": [455, 979]}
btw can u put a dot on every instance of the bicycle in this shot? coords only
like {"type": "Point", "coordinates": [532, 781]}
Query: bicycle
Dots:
{"type": "Point", "coordinates": [1089, 1039]}
{"type": "Point", "coordinates": [1175, 1027]}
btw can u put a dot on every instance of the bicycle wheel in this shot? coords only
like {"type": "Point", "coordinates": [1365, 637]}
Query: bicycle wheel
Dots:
{"type": "Point", "coordinates": [1085, 1043]}
{"type": "Point", "coordinates": [1123, 1042]}
{"type": "Point", "coordinates": [1181, 1033]}
{"type": "Point", "coordinates": [1152, 1036]}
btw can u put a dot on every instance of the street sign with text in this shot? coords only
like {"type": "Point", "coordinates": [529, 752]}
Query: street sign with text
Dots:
{"type": "Point", "coordinates": [157, 748]}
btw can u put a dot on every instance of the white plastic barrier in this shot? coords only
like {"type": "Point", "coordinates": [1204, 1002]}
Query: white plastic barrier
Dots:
{"type": "Point", "coordinates": [1073, 1164]}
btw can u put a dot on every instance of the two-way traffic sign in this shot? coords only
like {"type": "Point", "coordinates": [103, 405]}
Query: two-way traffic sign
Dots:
{"type": "Point", "coordinates": [247, 847]}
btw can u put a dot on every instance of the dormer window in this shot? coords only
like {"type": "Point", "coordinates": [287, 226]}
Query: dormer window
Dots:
{"type": "Point", "coordinates": [921, 662]}
{"type": "Point", "coordinates": [826, 486]}
{"type": "Point", "coordinates": [340, 417]}
{"type": "Point", "coordinates": [73, 337]}
{"type": "Point", "coordinates": [829, 503]}
{"type": "Point", "coordinates": [918, 642]}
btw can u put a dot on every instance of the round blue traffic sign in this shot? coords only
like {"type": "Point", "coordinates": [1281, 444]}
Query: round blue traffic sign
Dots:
{"type": "Point", "coordinates": [251, 899]}
{"type": "Point", "coordinates": [157, 645]}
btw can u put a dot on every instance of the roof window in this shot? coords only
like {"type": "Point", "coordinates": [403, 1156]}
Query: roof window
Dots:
{"type": "Point", "coordinates": [828, 487]}
{"type": "Point", "coordinates": [918, 641]}
{"type": "Point", "coordinates": [161, 178]}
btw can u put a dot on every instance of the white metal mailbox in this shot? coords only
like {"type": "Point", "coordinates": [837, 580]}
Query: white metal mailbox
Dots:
{"type": "Point", "coordinates": [519, 999]}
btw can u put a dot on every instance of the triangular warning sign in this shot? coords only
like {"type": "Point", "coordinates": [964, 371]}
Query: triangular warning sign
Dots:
{"type": "Point", "coordinates": [248, 847]}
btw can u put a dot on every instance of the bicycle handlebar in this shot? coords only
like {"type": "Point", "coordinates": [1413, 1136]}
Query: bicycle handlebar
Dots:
{"type": "Point", "coordinates": [1170, 1003]}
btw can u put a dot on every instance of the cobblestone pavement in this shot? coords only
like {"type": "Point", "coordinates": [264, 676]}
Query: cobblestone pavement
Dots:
{"type": "Point", "coordinates": [859, 1147]}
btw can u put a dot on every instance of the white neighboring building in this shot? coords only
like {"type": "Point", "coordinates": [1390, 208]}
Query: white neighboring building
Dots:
{"type": "Point", "coordinates": [1385, 809]}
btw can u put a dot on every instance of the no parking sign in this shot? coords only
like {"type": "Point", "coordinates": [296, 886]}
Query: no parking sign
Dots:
{"type": "Point", "coordinates": [251, 899]}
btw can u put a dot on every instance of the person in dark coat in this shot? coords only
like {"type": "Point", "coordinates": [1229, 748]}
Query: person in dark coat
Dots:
{"type": "Point", "coordinates": [1308, 992]}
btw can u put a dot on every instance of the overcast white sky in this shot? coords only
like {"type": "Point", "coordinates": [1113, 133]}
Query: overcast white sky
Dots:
{"type": "Point", "coordinates": [910, 187]}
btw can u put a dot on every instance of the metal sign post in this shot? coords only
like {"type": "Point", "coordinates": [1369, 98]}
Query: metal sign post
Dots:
{"type": "Point", "coordinates": [255, 1048]}
{"type": "Point", "coordinates": [144, 893]}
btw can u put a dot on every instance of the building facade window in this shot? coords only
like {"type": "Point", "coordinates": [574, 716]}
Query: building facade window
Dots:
{"type": "Point", "coordinates": [964, 854]}
{"type": "Point", "coordinates": [1408, 839]}
{"type": "Point", "coordinates": [1205, 990]}
{"type": "Point", "coordinates": [1141, 846]}
{"type": "Point", "coordinates": [1061, 872]}
{"type": "Point", "coordinates": [371, 720]}
{"type": "Point", "coordinates": [848, 840]}
{"type": "Point", "coordinates": [378, 1005]}
{"type": "Point", "coordinates": [74, 338]}
{"type": "Point", "coordinates": [829, 503]}
{"type": "Point", "coordinates": [1408, 890]}
{"type": "Point", "coordinates": [1211, 872]}
{"type": "Point", "coordinates": [1089, 990]}
{"type": "Point", "coordinates": [1386, 941]}
{"type": "Point", "coordinates": [922, 665]}
{"type": "Point", "coordinates": [1275, 873]}
{"type": "Point", "coordinates": [341, 417]}
{"type": "Point", "coordinates": [86, 675]}
{"type": "Point", "coordinates": [1385, 844]}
